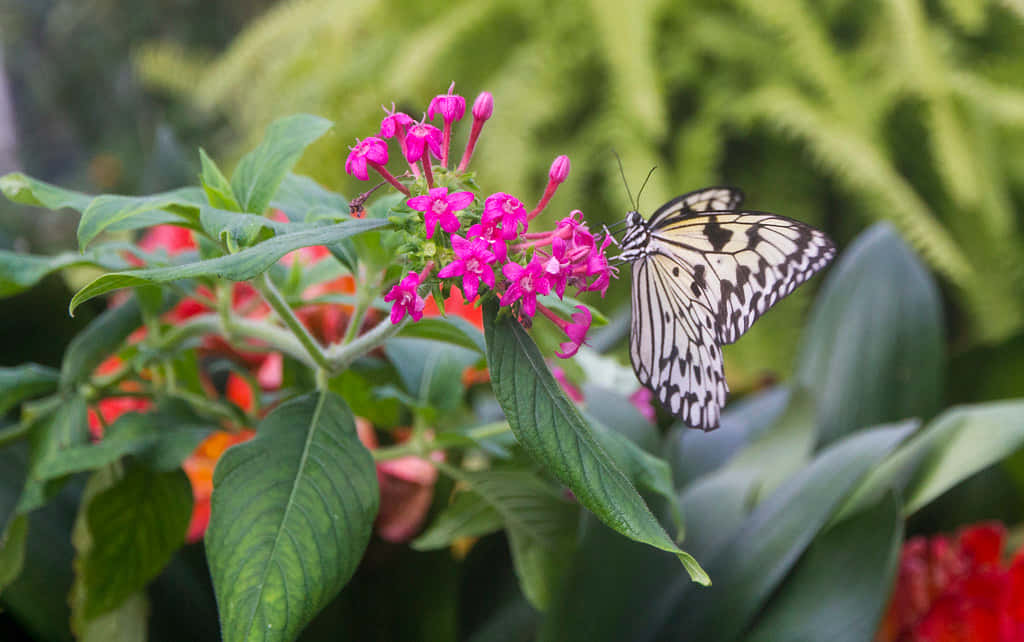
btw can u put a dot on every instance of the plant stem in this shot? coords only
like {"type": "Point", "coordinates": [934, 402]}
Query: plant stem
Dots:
{"type": "Point", "coordinates": [341, 356]}
{"type": "Point", "coordinates": [284, 312]}
{"type": "Point", "coordinates": [420, 448]}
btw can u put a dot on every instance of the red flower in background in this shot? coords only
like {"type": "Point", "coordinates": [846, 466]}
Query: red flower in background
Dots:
{"type": "Point", "coordinates": [957, 590]}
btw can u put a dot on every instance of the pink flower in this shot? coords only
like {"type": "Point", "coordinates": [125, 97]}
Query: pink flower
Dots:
{"type": "Point", "coordinates": [370, 150]}
{"type": "Point", "coordinates": [576, 232]}
{"type": "Point", "coordinates": [509, 209]}
{"type": "Point", "coordinates": [558, 267]}
{"type": "Point", "coordinates": [525, 283]}
{"type": "Point", "coordinates": [473, 259]}
{"type": "Point", "coordinates": [452, 107]}
{"type": "Point", "coordinates": [556, 176]}
{"type": "Point", "coordinates": [406, 298]}
{"type": "Point", "coordinates": [438, 206]}
{"type": "Point", "coordinates": [394, 123]}
{"type": "Point", "coordinates": [576, 330]}
{"type": "Point", "coordinates": [488, 230]}
{"type": "Point", "coordinates": [483, 107]}
{"type": "Point", "coordinates": [598, 268]}
{"type": "Point", "coordinates": [421, 137]}
{"type": "Point", "coordinates": [641, 400]}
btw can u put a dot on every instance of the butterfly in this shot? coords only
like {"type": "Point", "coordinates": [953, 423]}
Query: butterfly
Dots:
{"type": "Point", "coordinates": [703, 272]}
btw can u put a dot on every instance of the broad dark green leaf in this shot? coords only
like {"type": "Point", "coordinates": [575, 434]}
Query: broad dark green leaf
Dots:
{"type": "Point", "coordinates": [134, 526]}
{"type": "Point", "coordinates": [18, 272]}
{"type": "Point", "coordinates": [216, 185]}
{"type": "Point", "coordinates": [955, 445]}
{"type": "Point", "coordinates": [114, 212]}
{"type": "Point", "coordinates": [431, 371]}
{"type": "Point", "coordinates": [99, 340]}
{"type": "Point", "coordinates": [756, 557]}
{"type": "Point", "coordinates": [261, 171]}
{"type": "Point", "coordinates": [874, 347]}
{"type": "Point", "coordinates": [469, 515]}
{"type": "Point", "coordinates": [292, 512]}
{"type": "Point", "coordinates": [66, 427]}
{"type": "Point", "coordinates": [300, 196]}
{"type": "Point", "coordinates": [839, 587]}
{"type": "Point", "coordinates": [25, 382]}
{"type": "Point", "coordinates": [242, 227]}
{"type": "Point", "coordinates": [643, 469]}
{"type": "Point", "coordinates": [453, 330]}
{"type": "Point", "coordinates": [551, 429]}
{"type": "Point", "coordinates": [29, 191]}
{"type": "Point", "coordinates": [242, 266]}
{"type": "Point", "coordinates": [159, 439]}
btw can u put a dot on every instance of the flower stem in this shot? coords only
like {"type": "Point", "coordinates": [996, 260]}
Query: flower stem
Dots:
{"type": "Point", "coordinates": [272, 296]}
{"type": "Point", "coordinates": [427, 171]}
{"type": "Point", "coordinates": [341, 356]}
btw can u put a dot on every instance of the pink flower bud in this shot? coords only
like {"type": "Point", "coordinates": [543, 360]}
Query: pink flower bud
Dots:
{"type": "Point", "coordinates": [559, 169]}
{"type": "Point", "coordinates": [483, 106]}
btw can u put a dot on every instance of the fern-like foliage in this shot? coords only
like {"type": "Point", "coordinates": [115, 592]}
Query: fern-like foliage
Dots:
{"type": "Point", "coordinates": [838, 113]}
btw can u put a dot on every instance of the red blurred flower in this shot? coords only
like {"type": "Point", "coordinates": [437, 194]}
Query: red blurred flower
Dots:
{"type": "Point", "coordinates": [199, 468]}
{"type": "Point", "coordinates": [957, 590]}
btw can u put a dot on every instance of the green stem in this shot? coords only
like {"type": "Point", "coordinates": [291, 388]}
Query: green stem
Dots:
{"type": "Point", "coordinates": [223, 410]}
{"type": "Point", "coordinates": [284, 311]}
{"type": "Point", "coordinates": [341, 356]}
{"type": "Point", "coordinates": [421, 448]}
{"type": "Point", "coordinates": [277, 339]}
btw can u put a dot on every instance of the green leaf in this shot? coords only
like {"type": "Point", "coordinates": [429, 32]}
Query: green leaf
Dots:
{"type": "Point", "coordinates": [242, 266]}
{"type": "Point", "coordinates": [300, 196]}
{"type": "Point", "coordinates": [261, 171]}
{"type": "Point", "coordinates": [129, 622]}
{"type": "Point", "coordinates": [25, 382]}
{"type": "Point", "coordinates": [29, 191]}
{"type": "Point", "coordinates": [12, 550]}
{"type": "Point", "coordinates": [132, 527]}
{"type": "Point", "coordinates": [292, 512]}
{"type": "Point", "coordinates": [864, 551]}
{"type": "Point", "coordinates": [756, 557]}
{"type": "Point", "coordinates": [430, 371]}
{"type": "Point", "coordinates": [880, 313]}
{"type": "Point", "coordinates": [66, 427]}
{"type": "Point", "coordinates": [99, 340]}
{"type": "Point", "coordinates": [957, 444]}
{"type": "Point", "coordinates": [216, 185]}
{"type": "Point", "coordinates": [551, 429]}
{"type": "Point", "coordinates": [160, 439]}
{"type": "Point", "coordinates": [469, 515]}
{"type": "Point", "coordinates": [114, 212]}
{"type": "Point", "coordinates": [18, 272]}
{"type": "Point", "coordinates": [241, 227]}
{"type": "Point", "coordinates": [643, 469]}
{"type": "Point", "coordinates": [454, 330]}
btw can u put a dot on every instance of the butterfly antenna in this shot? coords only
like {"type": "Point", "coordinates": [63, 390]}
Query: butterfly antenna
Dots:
{"type": "Point", "coordinates": [641, 193]}
{"type": "Point", "coordinates": [622, 173]}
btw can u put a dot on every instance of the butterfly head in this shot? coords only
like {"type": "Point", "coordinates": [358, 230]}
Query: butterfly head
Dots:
{"type": "Point", "coordinates": [636, 236]}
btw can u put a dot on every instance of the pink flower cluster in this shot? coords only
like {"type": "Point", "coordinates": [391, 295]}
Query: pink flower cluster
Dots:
{"type": "Point", "coordinates": [496, 250]}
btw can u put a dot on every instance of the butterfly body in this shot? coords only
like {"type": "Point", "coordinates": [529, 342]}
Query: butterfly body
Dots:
{"type": "Point", "coordinates": [703, 272]}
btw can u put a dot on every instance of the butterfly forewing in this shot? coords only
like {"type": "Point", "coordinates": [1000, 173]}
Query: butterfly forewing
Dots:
{"type": "Point", "coordinates": [701, 276]}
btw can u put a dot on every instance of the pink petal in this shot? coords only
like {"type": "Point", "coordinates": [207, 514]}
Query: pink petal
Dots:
{"type": "Point", "coordinates": [460, 200]}
{"type": "Point", "coordinates": [420, 203]}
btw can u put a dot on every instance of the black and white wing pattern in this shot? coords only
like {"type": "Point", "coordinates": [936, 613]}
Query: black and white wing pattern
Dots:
{"type": "Point", "coordinates": [701, 277]}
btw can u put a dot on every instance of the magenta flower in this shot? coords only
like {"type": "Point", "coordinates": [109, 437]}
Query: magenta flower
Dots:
{"type": "Point", "coordinates": [641, 400]}
{"type": "Point", "coordinates": [438, 206]}
{"type": "Point", "coordinates": [556, 176]}
{"type": "Point", "coordinates": [370, 150]}
{"type": "Point", "coordinates": [472, 263]}
{"type": "Point", "coordinates": [558, 266]}
{"type": "Point", "coordinates": [483, 107]}
{"type": "Point", "coordinates": [395, 123]}
{"type": "Point", "coordinates": [421, 137]}
{"type": "Point", "coordinates": [406, 299]}
{"type": "Point", "coordinates": [452, 107]}
{"type": "Point", "coordinates": [576, 331]}
{"type": "Point", "coordinates": [597, 267]}
{"type": "Point", "coordinates": [576, 232]}
{"type": "Point", "coordinates": [525, 283]}
{"type": "Point", "coordinates": [511, 211]}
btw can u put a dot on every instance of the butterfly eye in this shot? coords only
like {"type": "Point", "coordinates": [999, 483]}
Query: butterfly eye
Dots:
{"type": "Point", "coordinates": [633, 219]}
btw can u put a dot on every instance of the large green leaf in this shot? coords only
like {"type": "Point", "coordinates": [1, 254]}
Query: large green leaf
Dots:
{"type": "Point", "coordinates": [12, 550]}
{"type": "Point", "coordinates": [242, 266]}
{"type": "Point", "coordinates": [551, 429]}
{"type": "Point", "coordinates": [753, 560]}
{"type": "Point", "coordinates": [453, 330]}
{"type": "Point", "coordinates": [292, 512]}
{"type": "Point", "coordinates": [261, 171]}
{"type": "Point", "coordinates": [99, 340]}
{"type": "Point", "coordinates": [302, 198]}
{"type": "Point", "coordinates": [24, 382]}
{"type": "Point", "coordinates": [18, 272]}
{"type": "Point", "coordinates": [957, 444]}
{"type": "Point", "coordinates": [431, 371]}
{"type": "Point", "coordinates": [132, 525]}
{"type": "Point", "coordinates": [114, 212]}
{"type": "Point", "coordinates": [811, 605]}
{"type": "Point", "coordinates": [874, 347]}
{"type": "Point", "coordinates": [469, 515]}
{"type": "Point", "coordinates": [29, 191]}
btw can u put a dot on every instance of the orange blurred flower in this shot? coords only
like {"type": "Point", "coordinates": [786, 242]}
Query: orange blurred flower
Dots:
{"type": "Point", "coordinates": [199, 468]}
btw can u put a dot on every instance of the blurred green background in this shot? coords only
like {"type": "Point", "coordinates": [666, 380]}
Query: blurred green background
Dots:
{"type": "Point", "coordinates": [839, 113]}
